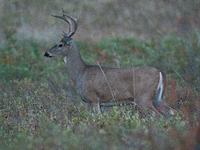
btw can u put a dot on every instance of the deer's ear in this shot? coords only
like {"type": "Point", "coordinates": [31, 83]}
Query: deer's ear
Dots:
{"type": "Point", "coordinates": [68, 40]}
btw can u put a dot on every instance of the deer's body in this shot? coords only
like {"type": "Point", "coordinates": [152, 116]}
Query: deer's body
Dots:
{"type": "Point", "coordinates": [123, 84]}
{"type": "Point", "coordinates": [102, 86]}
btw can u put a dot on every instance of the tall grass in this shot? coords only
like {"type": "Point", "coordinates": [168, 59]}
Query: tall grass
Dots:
{"type": "Point", "coordinates": [40, 107]}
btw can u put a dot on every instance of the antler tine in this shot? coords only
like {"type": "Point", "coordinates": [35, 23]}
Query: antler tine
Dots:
{"type": "Point", "coordinates": [68, 20]}
{"type": "Point", "coordinates": [75, 20]}
{"type": "Point", "coordinates": [72, 21]}
{"type": "Point", "coordinates": [63, 10]}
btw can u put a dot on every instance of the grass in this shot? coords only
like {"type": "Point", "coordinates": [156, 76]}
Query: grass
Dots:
{"type": "Point", "coordinates": [144, 19]}
{"type": "Point", "coordinates": [40, 107]}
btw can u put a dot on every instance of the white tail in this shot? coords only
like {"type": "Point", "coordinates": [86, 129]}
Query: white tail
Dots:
{"type": "Point", "coordinates": [101, 86]}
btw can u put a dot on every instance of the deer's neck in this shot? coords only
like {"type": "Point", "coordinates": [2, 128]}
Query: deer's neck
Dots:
{"type": "Point", "coordinates": [75, 64]}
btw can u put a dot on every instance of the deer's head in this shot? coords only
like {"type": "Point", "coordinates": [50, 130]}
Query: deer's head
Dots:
{"type": "Point", "coordinates": [63, 47]}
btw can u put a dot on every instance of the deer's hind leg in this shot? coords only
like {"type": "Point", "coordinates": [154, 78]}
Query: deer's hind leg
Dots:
{"type": "Point", "coordinates": [155, 110]}
{"type": "Point", "coordinates": [144, 101]}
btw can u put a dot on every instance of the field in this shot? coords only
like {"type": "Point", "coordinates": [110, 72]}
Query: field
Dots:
{"type": "Point", "coordinates": [40, 107]}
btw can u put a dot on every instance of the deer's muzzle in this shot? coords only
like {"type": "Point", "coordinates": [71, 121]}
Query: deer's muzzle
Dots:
{"type": "Point", "coordinates": [47, 54]}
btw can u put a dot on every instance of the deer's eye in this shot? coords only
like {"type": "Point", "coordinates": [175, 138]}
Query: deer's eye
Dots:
{"type": "Point", "coordinates": [60, 45]}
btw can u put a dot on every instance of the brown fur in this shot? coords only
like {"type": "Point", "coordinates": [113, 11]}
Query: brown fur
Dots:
{"type": "Point", "coordinates": [137, 85]}
{"type": "Point", "coordinates": [102, 86]}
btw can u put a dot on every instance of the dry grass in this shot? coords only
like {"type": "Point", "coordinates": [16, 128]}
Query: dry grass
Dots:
{"type": "Point", "coordinates": [101, 18]}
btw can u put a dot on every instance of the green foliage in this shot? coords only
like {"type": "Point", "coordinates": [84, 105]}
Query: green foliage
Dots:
{"type": "Point", "coordinates": [41, 109]}
{"type": "Point", "coordinates": [39, 105]}
{"type": "Point", "coordinates": [23, 59]}
{"type": "Point", "coordinates": [34, 116]}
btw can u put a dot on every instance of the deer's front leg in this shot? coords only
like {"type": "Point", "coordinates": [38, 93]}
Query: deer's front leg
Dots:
{"type": "Point", "coordinates": [95, 105]}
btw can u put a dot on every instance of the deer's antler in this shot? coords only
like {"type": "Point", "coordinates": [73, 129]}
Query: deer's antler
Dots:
{"type": "Point", "coordinates": [72, 21]}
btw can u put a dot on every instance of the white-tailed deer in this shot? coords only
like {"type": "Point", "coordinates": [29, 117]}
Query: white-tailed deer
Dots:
{"type": "Point", "coordinates": [101, 86]}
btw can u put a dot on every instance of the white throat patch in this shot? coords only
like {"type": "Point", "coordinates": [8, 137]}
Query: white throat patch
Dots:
{"type": "Point", "coordinates": [65, 59]}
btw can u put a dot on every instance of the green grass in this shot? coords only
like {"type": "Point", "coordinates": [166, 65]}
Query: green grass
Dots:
{"type": "Point", "coordinates": [41, 109]}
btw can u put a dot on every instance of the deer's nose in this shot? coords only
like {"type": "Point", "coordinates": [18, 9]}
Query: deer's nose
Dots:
{"type": "Point", "coordinates": [46, 54]}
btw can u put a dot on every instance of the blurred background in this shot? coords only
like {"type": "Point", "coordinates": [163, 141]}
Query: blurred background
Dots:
{"type": "Point", "coordinates": [141, 18]}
